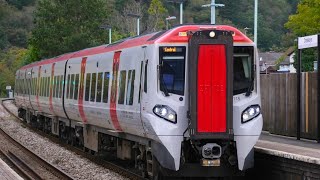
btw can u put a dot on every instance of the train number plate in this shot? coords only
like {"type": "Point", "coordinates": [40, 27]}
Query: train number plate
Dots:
{"type": "Point", "coordinates": [210, 162]}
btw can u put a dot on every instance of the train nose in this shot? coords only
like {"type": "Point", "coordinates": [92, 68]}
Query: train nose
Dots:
{"type": "Point", "coordinates": [211, 151]}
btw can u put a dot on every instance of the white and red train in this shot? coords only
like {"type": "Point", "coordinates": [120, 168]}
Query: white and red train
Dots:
{"type": "Point", "coordinates": [183, 102]}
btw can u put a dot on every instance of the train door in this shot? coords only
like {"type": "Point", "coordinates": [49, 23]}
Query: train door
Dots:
{"type": "Point", "coordinates": [30, 87]}
{"type": "Point", "coordinates": [143, 89]}
{"type": "Point", "coordinates": [210, 84]}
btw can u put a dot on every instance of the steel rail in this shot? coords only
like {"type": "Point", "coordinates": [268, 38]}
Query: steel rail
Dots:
{"type": "Point", "coordinates": [104, 163]}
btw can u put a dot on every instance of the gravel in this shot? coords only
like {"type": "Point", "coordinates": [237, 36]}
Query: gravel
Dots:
{"type": "Point", "coordinates": [77, 166]}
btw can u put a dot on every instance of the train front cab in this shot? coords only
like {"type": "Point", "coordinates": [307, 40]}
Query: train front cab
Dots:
{"type": "Point", "coordinates": [223, 109]}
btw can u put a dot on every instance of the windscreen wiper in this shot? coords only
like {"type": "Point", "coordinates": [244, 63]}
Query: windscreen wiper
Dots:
{"type": "Point", "coordinates": [249, 91]}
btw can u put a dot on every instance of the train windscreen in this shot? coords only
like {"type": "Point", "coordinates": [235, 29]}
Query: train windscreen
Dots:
{"type": "Point", "coordinates": [243, 69]}
{"type": "Point", "coordinates": [172, 69]}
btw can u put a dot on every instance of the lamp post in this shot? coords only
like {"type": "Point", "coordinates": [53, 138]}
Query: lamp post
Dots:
{"type": "Point", "coordinates": [245, 30]}
{"type": "Point", "coordinates": [256, 22]}
{"type": "Point", "coordinates": [181, 8]}
{"type": "Point", "coordinates": [138, 21]}
{"type": "Point", "coordinates": [168, 19]}
{"type": "Point", "coordinates": [106, 27]}
{"type": "Point", "coordinates": [213, 6]}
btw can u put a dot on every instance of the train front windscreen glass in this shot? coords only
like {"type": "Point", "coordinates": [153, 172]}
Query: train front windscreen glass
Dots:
{"type": "Point", "coordinates": [172, 69]}
{"type": "Point", "coordinates": [242, 69]}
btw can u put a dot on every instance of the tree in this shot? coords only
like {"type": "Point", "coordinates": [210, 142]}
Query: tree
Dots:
{"type": "Point", "coordinates": [157, 14]}
{"type": "Point", "coordinates": [10, 61]}
{"type": "Point", "coordinates": [306, 22]}
{"type": "Point", "coordinates": [64, 26]}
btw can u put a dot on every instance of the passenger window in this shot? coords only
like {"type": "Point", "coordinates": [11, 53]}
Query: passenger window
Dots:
{"type": "Point", "coordinates": [61, 85]}
{"type": "Point", "coordinates": [106, 87]}
{"type": "Point", "coordinates": [87, 86]}
{"type": "Point", "coordinates": [130, 87]}
{"type": "Point", "coordinates": [122, 85]}
{"type": "Point", "coordinates": [93, 87]}
{"type": "Point", "coordinates": [145, 77]}
{"type": "Point", "coordinates": [76, 84]}
{"type": "Point", "coordinates": [72, 83]}
{"type": "Point", "coordinates": [68, 86]}
{"type": "Point", "coordinates": [99, 87]}
{"type": "Point", "coordinates": [48, 86]}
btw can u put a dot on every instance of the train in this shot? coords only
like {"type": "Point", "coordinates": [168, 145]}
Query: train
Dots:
{"type": "Point", "coordinates": [183, 102]}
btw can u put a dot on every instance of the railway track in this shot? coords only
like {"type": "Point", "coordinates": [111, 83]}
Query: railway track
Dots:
{"type": "Point", "coordinates": [29, 165]}
{"type": "Point", "coordinates": [109, 164]}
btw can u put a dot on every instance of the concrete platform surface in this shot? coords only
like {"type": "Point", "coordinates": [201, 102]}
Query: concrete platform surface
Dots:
{"type": "Point", "coordinates": [6, 173]}
{"type": "Point", "coordinates": [290, 148]}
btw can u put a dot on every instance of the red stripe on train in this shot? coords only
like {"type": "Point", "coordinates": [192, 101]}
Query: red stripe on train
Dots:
{"type": "Point", "coordinates": [212, 89]}
{"type": "Point", "coordinates": [114, 90]}
{"type": "Point", "coordinates": [51, 89]}
{"type": "Point", "coordinates": [81, 90]}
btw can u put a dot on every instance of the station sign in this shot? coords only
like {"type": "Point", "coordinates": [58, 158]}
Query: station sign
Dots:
{"type": "Point", "coordinates": [308, 41]}
{"type": "Point", "coordinates": [8, 87]}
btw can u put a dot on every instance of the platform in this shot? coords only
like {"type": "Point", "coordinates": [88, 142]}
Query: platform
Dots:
{"type": "Point", "coordinates": [285, 158]}
{"type": "Point", "coordinates": [290, 148]}
{"type": "Point", "coordinates": [6, 173]}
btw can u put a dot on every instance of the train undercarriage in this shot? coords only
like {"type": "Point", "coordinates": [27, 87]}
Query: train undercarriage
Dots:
{"type": "Point", "coordinates": [134, 151]}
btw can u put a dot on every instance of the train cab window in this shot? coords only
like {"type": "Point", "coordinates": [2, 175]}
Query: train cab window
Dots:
{"type": "Point", "coordinates": [242, 69]}
{"type": "Point", "coordinates": [172, 69]}
{"type": "Point", "coordinates": [88, 78]}
{"type": "Point", "coordinates": [72, 83]}
{"type": "Point", "coordinates": [76, 86]}
{"type": "Point", "coordinates": [130, 87]}
{"type": "Point", "coordinates": [106, 79]}
{"type": "Point", "coordinates": [93, 87]}
{"type": "Point", "coordinates": [99, 86]}
{"type": "Point", "coordinates": [122, 84]}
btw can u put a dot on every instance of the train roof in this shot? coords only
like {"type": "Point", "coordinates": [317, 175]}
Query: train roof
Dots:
{"type": "Point", "coordinates": [175, 35]}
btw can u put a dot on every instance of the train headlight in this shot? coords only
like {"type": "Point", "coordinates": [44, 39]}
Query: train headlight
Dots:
{"type": "Point", "coordinates": [165, 112]}
{"type": "Point", "coordinates": [250, 113]}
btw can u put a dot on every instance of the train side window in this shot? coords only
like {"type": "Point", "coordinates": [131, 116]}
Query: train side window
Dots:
{"type": "Point", "coordinates": [61, 85]}
{"type": "Point", "coordinates": [99, 86]}
{"type": "Point", "coordinates": [53, 84]}
{"type": "Point", "coordinates": [93, 87]}
{"type": "Point", "coordinates": [72, 83]}
{"type": "Point", "coordinates": [145, 77]}
{"type": "Point", "coordinates": [68, 86]}
{"type": "Point", "coordinates": [106, 87]}
{"type": "Point", "coordinates": [34, 86]}
{"type": "Point", "coordinates": [48, 86]}
{"type": "Point", "coordinates": [57, 86]}
{"type": "Point", "coordinates": [87, 86]}
{"type": "Point", "coordinates": [122, 85]}
{"type": "Point", "coordinates": [76, 84]}
{"type": "Point", "coordinates": [41, 86]}
{"type": "Point", "coordinates": [140, 81]}
{"type": "Point", "coordinates": [44, 86]}
{"type": "Point", "coordinates": [130, 87]}
{"type": "Point", "coordinates": [55, 92]}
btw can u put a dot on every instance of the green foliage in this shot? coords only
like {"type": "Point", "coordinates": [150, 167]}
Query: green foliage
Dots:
{"type": "Point", "coordinates": [157, 13]}
{"type": "Point", "coordinates": [64, 26]}
{"type": "Point", "coordinates": [20, 3]}
{"type": "Point", "coordinates": [15, 25]}
{"type": "Point", "coordinates": [308, 56]}
{"type": "Point", "coordinates": [10, 61]}
{"type": "Point", "coordinates": [306, 21]}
